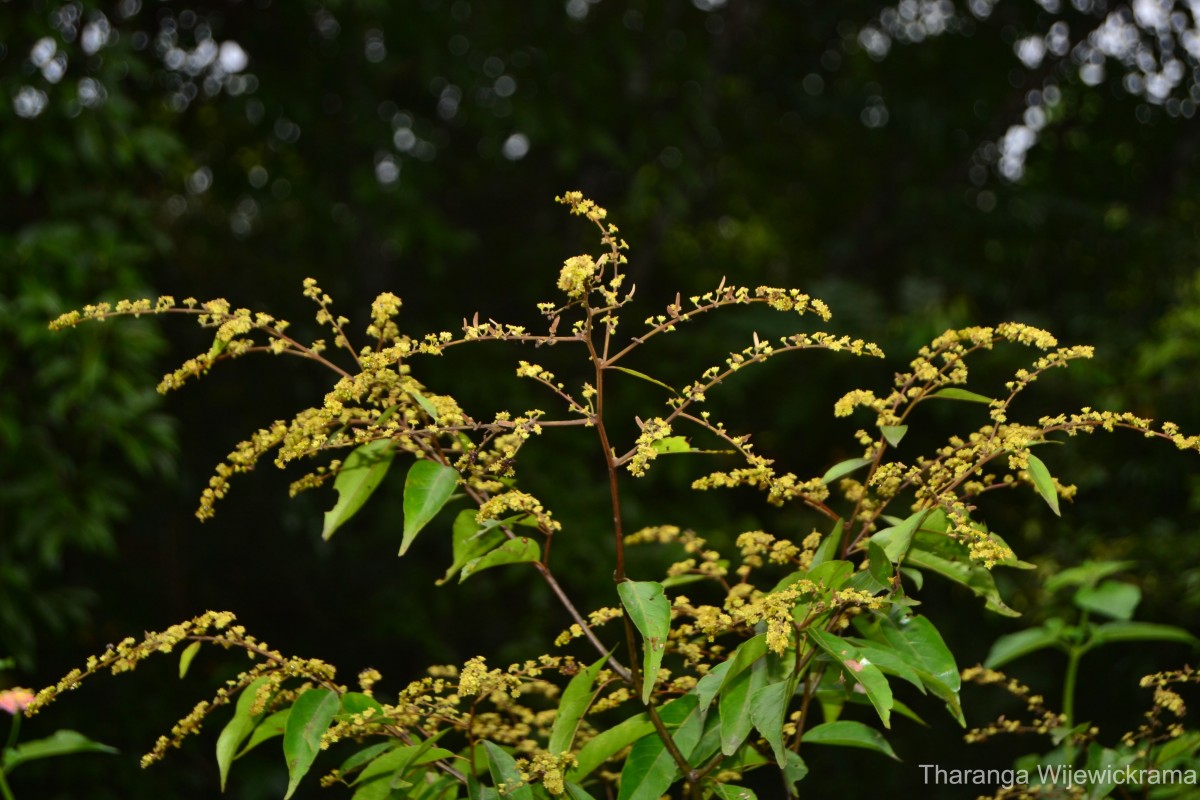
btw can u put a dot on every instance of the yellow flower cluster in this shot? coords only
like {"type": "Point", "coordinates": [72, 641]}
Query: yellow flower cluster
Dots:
{"type": "Point", "coordinates": [582, 206]}
{"type": "Point", "coordinates": [519, 502]}
{"type": "Point", "coordinates": [576, 276]}
{"type": "Point", "coordinates": [780, 488]}
{"type": "Point", "coordinates": [654, 430]}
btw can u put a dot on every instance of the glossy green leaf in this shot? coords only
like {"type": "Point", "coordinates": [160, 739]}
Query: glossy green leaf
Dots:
{"type": "Point", "coordinates": [830, 547]}
{"type": "Point", "coordinates": [858, 668]}
{"type": "Point", "coordinates": [606, 744]}
{"type": "Point", "coordinates": [60, 743]}
{"type": "Point", "coordinates": [649, 768]}
{"type": "Point", "coordinates": [185, 658]}
{"type": "Point", "coordinates": [237, 729]}
{"type": "Point", "coordinates": [830, 574]}
{"type": "Point", "coordinates": [269, 728]}
{"type": "Point", "coordinates": [918, 642]}
{"type": "Point", "coordinates": [744, 655]}
{"type": "Point", "coordinates": [1113, 599]}
{"type": "Point", "coordinates": [312, 713]}
{"type": "Point", "coordinates": [896, 540]}
{"type": "Point", "coordinates": [952, 393]}
{"type": "Point", "coordinates": [889, 661]}
{"type": "Point", "coordinates": [650, 612]}
{"type": "Point", "coordinates": [892, 434]}
{"type": "Point", "coordinates": [426, 489]}
{"type": "Point", "coordinates": [387, 759]}
{"type": "Point", "coordinates": [1043, 482]}
{"type": "Point", "coordinates": [936, 553]}
{"type": "Point", "coordinates": [768, 710]}
{"type": "Point", "coordinates": [513, 551]}
{"type": "Point", "coordinates": [847, 733]}
{"type": "Point", "coordinates": [471, 540]}
{"type": "Point", "coordinates": [1111, 632]}
{"type": "Point", "coordinates": [359, 477]}
{"type": "Point", "coordinates": [879, 565]}
{"type": "Point", "coordinates": [358, 702]}
{"type": "Point", "coordinates": [503, 768]}
{"type": "Point", "coordinates": [725, 791]}
{"type": "Point", "coordinates": [577, 792]}
{"type": "Point", "coordinates": [735, 706]}
{"type": "Point", "coordinates": [643, 376]}
{"type": "Point", "coordinates": [360, 758]}
{"type": "Point", "coordinates": [397, 760]}
{"type": "Point", "coordinates": [1012, 646]}
{"type": "Point", "coordinates": [575, 701]}
{"type": "Point", "coordinates": [844, 468]}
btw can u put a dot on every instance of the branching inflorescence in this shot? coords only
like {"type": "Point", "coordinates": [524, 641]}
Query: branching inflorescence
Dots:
{"type": "Point", "coordinates": [741, 671]}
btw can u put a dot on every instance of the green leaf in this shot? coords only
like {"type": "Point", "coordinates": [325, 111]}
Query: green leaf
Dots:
{"type": "Point", "coordinates": [1111, 632]}
{"type": "Point", "coordinates": [312, 713]}
{"type": "Point", "coordinates": [513, 551]}
{"type": "Point", "coordinates": [359, 476]}
{"type": "Point", "coordinates": [857, 667]}
{"type": "Point", "coordinates": [649, 768]}
{"type": "Point", "coordinates": [889, 661]}
{"type": "Point", "coordinates": [937, 553]}
{"type": "Point", "coordinates": [879, 565]}
{"type": "Point", "coordinates": [895, 541]}
{"type": "Point", "coordinates": [389, 759]}
{"type": "Point", "coordinates": [1179, 747]}
{"type": "Point", "coordinates": [650, 612]}
{"type": "Point", "coordinates": [60, 743]}
{"type": "Point", "coordinates": [643, 376]}
{"type": "Point", "coordinates": [237, 729]}
{"type": "Point", "coordinates": [1089, 573]}
{"type": "Point", "coordinates": [794, 770]}
{"type": "Point", "coordinates": [720, 676]}
{"type": "Point", "coordinates": [952, 393]}
{"type": "Point", "coordinates": [269, 728]}
{"type": "Point", "coordinates": [671, 444]}
{"type": "Point", "coordinates": [426, 489]}
{"type": "Point", "coordinates": [847, 733]}
{"type": "Point", "coordinates": [185, 658]}
{"type": "Point", "coordinates": [365, 756]}
{"type": "Point", "coordinates": [918, 642]}
{"type": "Point", "coordinates": [1012, 646]}
{"type": "Point", "coordinates": [844, 468]}
{"type": "Point", "coordinates": [426, 406]}
{"type": "Point", "coordinates": [1043, 482]}
{"type": "Point", "coordinates": [471, 540]}
{"type": "Point", "coordinates": [575, 701]}
{"type": "Point", "coordinates": [358, 702]}
{"type": "Point", "coordinates": [577, 792]}
{"type": "Point", "coordinates": [735, 706]}
{"type": "Point", "coordinates": [830, 547]}
{"type": "Point", "coordinates": [768, 708]}
{"type": "Point", "coordinates": [1113, 599]}
{"type": "Point", "coordinates": [893, 433]}
{"type": "Point", "coordinates": [725, 791]}
{"type": "Point", "coordinates": [503, 768]}
{"type": "Point", "coordinates": [606, 744]}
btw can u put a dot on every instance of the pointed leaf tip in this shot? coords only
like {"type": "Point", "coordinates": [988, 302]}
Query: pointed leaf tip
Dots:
{"type": "Point", "coordinates": [427, 488]}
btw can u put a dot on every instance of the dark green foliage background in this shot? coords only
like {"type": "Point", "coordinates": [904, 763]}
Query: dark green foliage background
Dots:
{"type": "Point", "coordinates": [696, 130]}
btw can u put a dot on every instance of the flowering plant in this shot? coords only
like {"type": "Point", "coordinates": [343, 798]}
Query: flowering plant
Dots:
{"type": "Point", "coordinates": [662, 688]}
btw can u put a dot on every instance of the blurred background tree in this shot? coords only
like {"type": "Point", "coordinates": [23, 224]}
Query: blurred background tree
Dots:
{"type": "Point", "coordinates": [918, 165]}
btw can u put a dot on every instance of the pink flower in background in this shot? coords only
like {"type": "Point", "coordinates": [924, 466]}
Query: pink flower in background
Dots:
{"type": "Point", "coordinates": [14, 700]}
